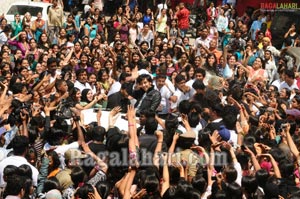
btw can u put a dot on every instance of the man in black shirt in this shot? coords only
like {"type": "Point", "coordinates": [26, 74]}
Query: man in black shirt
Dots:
{"type": "Point", "coordinates": [120, 98]}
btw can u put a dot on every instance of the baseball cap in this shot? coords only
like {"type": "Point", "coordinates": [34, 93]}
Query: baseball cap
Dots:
{"type": "Point", "coordinates": [224, 133]}
{"type": "Point", "coordinates": [53, 194]}
{"type": "Point", "coordinates": [74, 154]}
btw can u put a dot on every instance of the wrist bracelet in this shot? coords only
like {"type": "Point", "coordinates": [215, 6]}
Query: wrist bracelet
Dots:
{"type": "Point", "coordinates": [76, 118]}
{"type": "Point", "coordinates": [97, 167]}
{"type": "Point", "coordinates": [130, 124]}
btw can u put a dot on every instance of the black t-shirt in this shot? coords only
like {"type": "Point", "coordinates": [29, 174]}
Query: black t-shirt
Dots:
{"type": "Point", "coordinates": [97, 148]}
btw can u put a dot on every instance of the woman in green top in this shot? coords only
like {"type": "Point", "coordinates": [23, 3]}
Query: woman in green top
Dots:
{"type": "Point", "coordinates": [16, 25]}
{"type": "Point", "coordinates": [90, 28]}
{"type": "Point", "coordinates": [88, 100]}
{"type": "Point", "coordinates": [82, 104]}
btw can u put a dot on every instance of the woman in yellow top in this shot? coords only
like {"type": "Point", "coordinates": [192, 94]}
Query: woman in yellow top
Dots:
{"type": "Point", "coordinates": [104, 80]}
{"type": "Point", "coordinates": [162, 26]}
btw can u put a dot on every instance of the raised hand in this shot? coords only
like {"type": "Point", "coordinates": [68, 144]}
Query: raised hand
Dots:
{"type": "Point", "coordinates": [113, 115]}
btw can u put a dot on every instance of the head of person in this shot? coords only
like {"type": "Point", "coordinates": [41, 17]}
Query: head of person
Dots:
{"type": "Point", "coordinates": [50, 184]}
{"type": "Point", "coordinates": [78, 175]}
{"type": "Point", "coordinates": [52, 65]}
{"type": "Point", "coordinates": [199, 86]}
{"type": "Point", "coordinates": [81, 75]}
{"type": "Point", "coordinates": [160, 81]}
{"type": "Point", "coordinates": [103, 188]}
{"type": "Point", "coordinates": [61, 86]}
{"type": "Point", "coordinates": [199, 74]}
{"type": "Point", "coordinates": [9, 171]}
{"type": "Point", "coordinates": [145, 82]}
{"type": "Point", "coordinates": [87, 95]}
{"type": "Point", "coordinates": [289, 76]}
{"type": "Point", "coordinates": [266, 42]}
{"type": "Point", "coordinates": [15, 186]}
{"type": "Point", "coordinates": [296, 102]}
{"type": "Point", "coordinates": [85, 191]}
{"type": "Point", "coordinates": [126, 89]}
{"type": "Point", "coordinates": [150, 125]}
{"type": "Point", "coordinates": [211, 60]}
{"type": "Point", "coordinates": [55, 2]}
{"type": "Point", "coordinates": [19, 144]}
{"type": "Point", "coordinates": [73, 157]}
{"type": "Point", "coordinates": [181, 5]}
{"type": "Point", "coordinates": [54, 161]}
{"type": "Point", "coordinates": [98, 133]}
{"type": "Point", "coordinates": [258, 63]}
{"type": "Point", "coordinates": [267, 55]}
{"type": "Point", "coordinates": [144, 115]}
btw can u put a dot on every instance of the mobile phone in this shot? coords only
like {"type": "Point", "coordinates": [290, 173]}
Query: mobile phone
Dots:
{"type": "Point", "coordinates": [243, 147]}
{"type": "Point", "coordinates": [96, 110]}
{"type": "Point", "coordinates": [283, 126]}
{"type": "Point", "coordinates": [178, 131]}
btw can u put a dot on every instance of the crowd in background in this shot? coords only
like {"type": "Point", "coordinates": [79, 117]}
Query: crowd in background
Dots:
{"type": "Point", "coordinates": [218, 114]}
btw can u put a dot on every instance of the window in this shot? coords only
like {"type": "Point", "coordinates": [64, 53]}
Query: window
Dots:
{"type": "Point", "coordinates": [22, 9]}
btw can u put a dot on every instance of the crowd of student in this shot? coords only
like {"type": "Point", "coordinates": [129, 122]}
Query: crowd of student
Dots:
{"type": "Point", "coordinates": [214, 118]}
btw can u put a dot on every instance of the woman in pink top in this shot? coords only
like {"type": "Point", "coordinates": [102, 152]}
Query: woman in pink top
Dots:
{"type": "Point", "coordinates": [21, 44]}
{"type": "Point", "coordinates": [256, 73]}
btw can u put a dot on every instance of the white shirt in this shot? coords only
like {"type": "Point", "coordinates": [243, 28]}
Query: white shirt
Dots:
{"type": "Point", "coordinates": [277, 83]}
{"type": "Point", "coordinates": [17, 161]}
{"type": "Point", "coordinates": [233, 138]}
{"type": "Point", "coordinates": [205, 42]}
{"type": "Point", "coordinates": [180, 97]}
{"type": "Point", "coordinates": [115, 87]}
{"type": "Point", "coordinates": [190, 84]}
{"type": "Point", "coordinates": [285, 85]}
{"type": "Point", "coordinates": [61, 149]}
{"type": "Point", "coordinates": [271, 69]}
{"type": "Point", "coordinates": [164, 103]}
{"type": "Point", "coordinates": [170, 85]}
{"type": "Point", "coordinates": [81, 86]}
{"type": "Point", "coordinates": [3, 39]}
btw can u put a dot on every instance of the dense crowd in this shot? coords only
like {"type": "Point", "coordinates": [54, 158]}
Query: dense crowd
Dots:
{"type": "Point", "coordinates": [216, 116]}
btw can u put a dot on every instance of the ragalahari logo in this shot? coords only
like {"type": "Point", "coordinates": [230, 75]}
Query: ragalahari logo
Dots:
{"type": "Point", "coordinates": [280, 6]}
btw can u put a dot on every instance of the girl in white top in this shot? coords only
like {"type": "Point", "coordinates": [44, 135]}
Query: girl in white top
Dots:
{"type": "Point", "coordinates": [133, 33]}
{"type": "Point", "coordinates": [222, 21]}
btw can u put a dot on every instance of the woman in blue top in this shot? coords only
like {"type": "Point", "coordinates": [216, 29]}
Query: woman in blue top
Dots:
{"type": "Point", "coordinates": [148, 16]}
{"type": "Point", "coordinates": [90, 28]}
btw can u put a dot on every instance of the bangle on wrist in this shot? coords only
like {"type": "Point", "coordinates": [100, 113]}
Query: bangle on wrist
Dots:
{"type": "Point", "coordinates": [97, 167]}
{"type": "Point", "coordinates": [130, 124]}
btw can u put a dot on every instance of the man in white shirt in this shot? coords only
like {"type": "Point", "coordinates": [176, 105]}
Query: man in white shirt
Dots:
{"type": "Point", "coordinates": [270, 65]}
{"type": "Point", "coordinates": [200, 75]}
{"type": "Point", "coordinates": [160, 85]}
{"type": "Point", "coordinates": [183, 92]}
{"type": "Point", "coordinates": [289, 81]}
{"type": "Point", "coordinates": [116, 86]}
{"type": "Point", "coordinates": [202, 40]}
{"type": "Point", "coordinates": [20, 147]}
{"type": "Point", "coordinates": [81, 82]}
